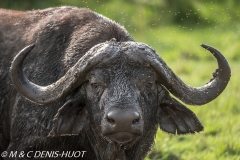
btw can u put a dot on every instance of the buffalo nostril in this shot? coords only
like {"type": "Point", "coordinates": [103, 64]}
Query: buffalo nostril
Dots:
{"type": "Point", "coordinates": [122, 118]}
{"type": "Point", "coordinates": [135, 121]}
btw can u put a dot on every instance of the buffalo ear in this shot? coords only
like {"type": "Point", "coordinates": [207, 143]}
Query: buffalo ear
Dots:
{"type": "Point", "coordinates": [70, 119]}
{"type": "Point", "coordinates": [175, 118]}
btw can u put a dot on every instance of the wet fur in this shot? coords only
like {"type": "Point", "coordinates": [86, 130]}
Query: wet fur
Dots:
{"type": "Point", "coordinates": [62, 36]}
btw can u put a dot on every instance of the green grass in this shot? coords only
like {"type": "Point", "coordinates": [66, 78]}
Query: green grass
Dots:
{"type": "Point", "coordinates": [179, 47]}
{"type": "Point", "coordinates": [219, 140]}
{"type": "Point", "coordinates": [176, 31]}
{"type": "Point", "coordinates": [178, 42]}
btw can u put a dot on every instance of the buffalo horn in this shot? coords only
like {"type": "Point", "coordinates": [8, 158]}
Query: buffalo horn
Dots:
{"type": "Point", "coordinates": [186, 93]}
{"type": "Point", "coordinates": [73, 78]}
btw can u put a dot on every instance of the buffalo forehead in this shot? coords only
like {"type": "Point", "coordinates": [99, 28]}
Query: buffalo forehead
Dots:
{"type": "Point", "coordinates": [108, 73]}
{"type": "Point", "coordinates": [124, 52]}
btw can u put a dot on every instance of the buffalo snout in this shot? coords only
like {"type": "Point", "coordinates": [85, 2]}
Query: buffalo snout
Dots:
{"type": "Point", "coordinates": [122, 124]}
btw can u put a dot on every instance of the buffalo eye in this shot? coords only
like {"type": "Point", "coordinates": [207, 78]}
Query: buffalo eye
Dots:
{"type": "Point", "coordinates": [94, 85]}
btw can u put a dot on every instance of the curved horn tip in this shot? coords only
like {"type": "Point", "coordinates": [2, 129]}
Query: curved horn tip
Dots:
{"type": "Point", "coordinates": [204, 45]}
{"type": "Point", "coordinates": [29, 48]}
{"type": "Point", "coordinates": [24, 52]}
{"type": "Point", "coordinates": [209, 48]}
{"type": "Point", "coordinates": [31, 45]}
{"type": "Point", "coordinates": [19, 58]}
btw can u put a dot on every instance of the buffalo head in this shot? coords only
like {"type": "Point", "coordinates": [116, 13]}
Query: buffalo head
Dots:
{"type": "Point", "coordinates": [119, 90]}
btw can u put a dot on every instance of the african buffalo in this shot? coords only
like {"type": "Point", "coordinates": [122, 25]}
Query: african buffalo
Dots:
{"type": "Point", "coordinates": [82, 83]}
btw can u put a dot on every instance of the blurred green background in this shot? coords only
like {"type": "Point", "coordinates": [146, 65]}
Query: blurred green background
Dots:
{"type": "Point", "coordinates": [175, 29]}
